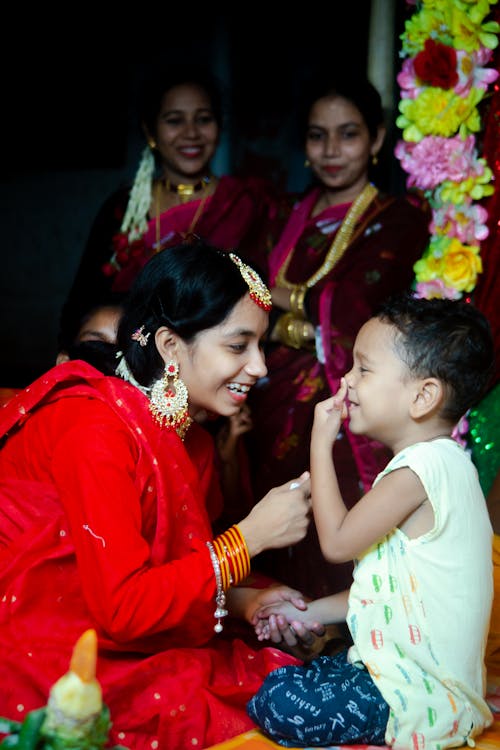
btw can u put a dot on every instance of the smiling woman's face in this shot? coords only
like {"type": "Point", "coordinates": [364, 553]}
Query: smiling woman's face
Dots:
{"type": "Point", "coordinates": [339, 146]}
{"type": "Point", "coordinates": [221, 365]}
{"type": "Point", "coordinates": [187, 132]}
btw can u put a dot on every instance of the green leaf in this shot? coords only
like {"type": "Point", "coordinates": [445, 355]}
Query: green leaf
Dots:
{"type": "Point", "coordinates": [29, 734]}
{"type": "Point", "coordinates": [9, 725]}
{"type": "Point", "coordinates": [11, 741]}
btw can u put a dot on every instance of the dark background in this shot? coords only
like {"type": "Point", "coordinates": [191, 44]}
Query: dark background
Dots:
{"type": "Point", "coordinates": [69, 134]}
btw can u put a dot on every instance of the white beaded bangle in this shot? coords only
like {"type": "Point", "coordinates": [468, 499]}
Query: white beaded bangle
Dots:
{"type": "Point", "coordinates": [220, 597]}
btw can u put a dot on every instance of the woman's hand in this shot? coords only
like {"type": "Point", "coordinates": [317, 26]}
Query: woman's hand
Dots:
{"type": "Point", "coordinates": [271, 596]}
{"type": "Point", "coordinates": [280, 519]}
{"type": "Point", "coordinates": [257, 605]}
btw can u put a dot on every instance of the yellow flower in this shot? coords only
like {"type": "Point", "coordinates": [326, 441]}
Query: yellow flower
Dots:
{"type": "Point", "coordinates": [463, 29]}
{"type": "Point", "coordinates": [421, 26]}
{"type": "Point", "coordinates": [461, 265]}
{"type": "Point", "coordinates": [448, 267]}
{"type": "Point", "coordinates": [439, 112]}
{"type": "Point", "coordinates": [429, 266]}
{"type": "Point", "coordinates": [473, 33]}
{"type": "Point", "coordinates": [474, 187]}
{"type": "Point", "coordinates": [458, 23]}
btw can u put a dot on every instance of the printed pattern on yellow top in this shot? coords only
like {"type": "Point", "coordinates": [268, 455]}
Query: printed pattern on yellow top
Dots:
{"type": "Point", "coordinates": [419, 608]}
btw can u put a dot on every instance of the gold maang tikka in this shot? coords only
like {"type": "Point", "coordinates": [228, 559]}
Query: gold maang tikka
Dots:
{"type": "Point", "coordinates": [259, 293]}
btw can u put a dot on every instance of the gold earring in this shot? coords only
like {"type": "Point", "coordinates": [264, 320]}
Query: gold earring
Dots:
{"type": "Point", "coordinates": [374, 160]}
{"type": "Point", "coordinates": [169, 401]}
{"type": "Point", "coordinates": [307, 163]}
{"type": "Point", "coordinates": [152, 143]}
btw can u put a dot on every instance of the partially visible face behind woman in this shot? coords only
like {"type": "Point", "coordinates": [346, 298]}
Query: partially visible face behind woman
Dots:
{"type": "Point", "coordinates": [101, 324]}
{"type": "Point", "coordinates": [187, 132]}
{"type": "Point", "coordinates": [339, 146]}
{"type": "Point", "coordinates": [222, 363]}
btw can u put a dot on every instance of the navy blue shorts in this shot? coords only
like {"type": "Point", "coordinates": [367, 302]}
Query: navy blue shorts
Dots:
{"type": "Point", "coordinates": [325, 702]}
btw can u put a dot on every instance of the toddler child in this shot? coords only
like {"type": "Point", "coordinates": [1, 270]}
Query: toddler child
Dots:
{"type": "Point", "coordinates": [419, 606]}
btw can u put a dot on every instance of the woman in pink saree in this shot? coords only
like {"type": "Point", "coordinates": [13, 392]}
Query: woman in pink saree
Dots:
{"type": "Point", "coordinates": [345, 248]}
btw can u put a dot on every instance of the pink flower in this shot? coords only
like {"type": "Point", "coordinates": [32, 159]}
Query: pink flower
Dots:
{"type": "Point", "coordinates": [407, 80]}
{"type": "Point", "coordinates": [471, 73]}
{"type": "Point", "coordinates": [435, 288]}
{"type": "Point", "coordinates": [435, 159]}
{"type": "Point", "coordinates": [460, 431]}
{"type": "Point", "coordinates": [466, 222]}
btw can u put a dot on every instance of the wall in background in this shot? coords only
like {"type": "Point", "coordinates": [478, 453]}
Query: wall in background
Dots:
{"type": "Point", "coordinates": [70, 136]}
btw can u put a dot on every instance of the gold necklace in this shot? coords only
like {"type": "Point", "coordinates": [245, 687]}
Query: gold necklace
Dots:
{"type": "Point", "coordinates": [339, 244]}
{"type": "Point", "coordinates": [204, 182]}
{"type": "Point", "coordinates": [186, 191]}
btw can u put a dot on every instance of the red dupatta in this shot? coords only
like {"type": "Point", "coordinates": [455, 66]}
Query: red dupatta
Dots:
{"type": "Point", "coordinates": [77, 378]}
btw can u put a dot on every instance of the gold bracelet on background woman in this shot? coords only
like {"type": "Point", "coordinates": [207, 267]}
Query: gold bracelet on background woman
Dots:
{"type": "Point", "coordinates": [293, 331]}
{"type": "Point", "coordinates": [297, 297]}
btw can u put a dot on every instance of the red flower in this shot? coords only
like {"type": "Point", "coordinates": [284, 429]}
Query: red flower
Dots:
{"type": "Point", "coordinates": [119, 242]}
{"type": "Point", "coordinates": [122, 256]}
{"type": "Point", "coordinates": [436, 65]}
{"type": "Point", "coordinates": [108, 269]}
{"type": "Point", "coordinates": [137, 248]}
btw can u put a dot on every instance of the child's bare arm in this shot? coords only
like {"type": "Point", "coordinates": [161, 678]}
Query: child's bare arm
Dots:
{"type": "Point", "coordinates": [273, 622]}
{"type": "Point", "coordinates": [345, 534]}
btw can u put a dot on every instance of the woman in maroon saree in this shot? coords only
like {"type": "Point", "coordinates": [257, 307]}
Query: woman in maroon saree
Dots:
{"type": "Point", "coordinates": [175, 195]}
{"type": "Point", "coordinates": [345, 248]}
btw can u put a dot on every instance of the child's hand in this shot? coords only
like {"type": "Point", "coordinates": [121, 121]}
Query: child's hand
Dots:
{"type": "Point", "coordinates": [227, 438]}
{"type": "Point", "coordinates": [242, 421]}
{"type": "Point", "coordinates": [329, 414]}
{"type": "Point", "coordinates": [293, 632]}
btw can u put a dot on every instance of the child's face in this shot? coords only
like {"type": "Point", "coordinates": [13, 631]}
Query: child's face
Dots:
{"type": "Point", "coordinates": [379, 386]}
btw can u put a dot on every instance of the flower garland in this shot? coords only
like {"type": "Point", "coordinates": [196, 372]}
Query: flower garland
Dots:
{"type": "Point", "coordinates": [447, 45]}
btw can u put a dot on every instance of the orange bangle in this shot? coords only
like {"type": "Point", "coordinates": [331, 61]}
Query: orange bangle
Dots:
{"type": "Point", "coordinates": [240, 553]}
{"type": "Point", "coordinates": [246, 554]}
{"type": "Point", "coordinates": [234, 556]}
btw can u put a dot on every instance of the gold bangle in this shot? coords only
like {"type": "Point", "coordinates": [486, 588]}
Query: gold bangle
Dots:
{"type": "Point", "coordinates": [297, 297]}
{"type": "Point", "coordinates": [292, 331]}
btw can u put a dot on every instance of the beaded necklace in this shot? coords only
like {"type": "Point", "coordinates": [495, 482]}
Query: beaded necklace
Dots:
{"type": "Point", "coordinates": [339, 244]}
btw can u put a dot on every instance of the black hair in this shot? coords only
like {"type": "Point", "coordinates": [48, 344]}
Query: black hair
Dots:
{"type": "Point", "coordinates": [164, 80]}
{"type": "Point", "coordinates": [99, 354]}
{"type": "Point", "coordinates": [74, 321]}
{"type": "Point", "coordinates": [356, 88]}
{"type": "Point", "coordinates": [188, 288]}
{"type": "Point", "coordinates": [447, 339]}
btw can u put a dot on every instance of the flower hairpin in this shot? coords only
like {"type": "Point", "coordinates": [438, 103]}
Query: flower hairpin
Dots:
{"type": "Point", "coordinates": [139, 336]}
